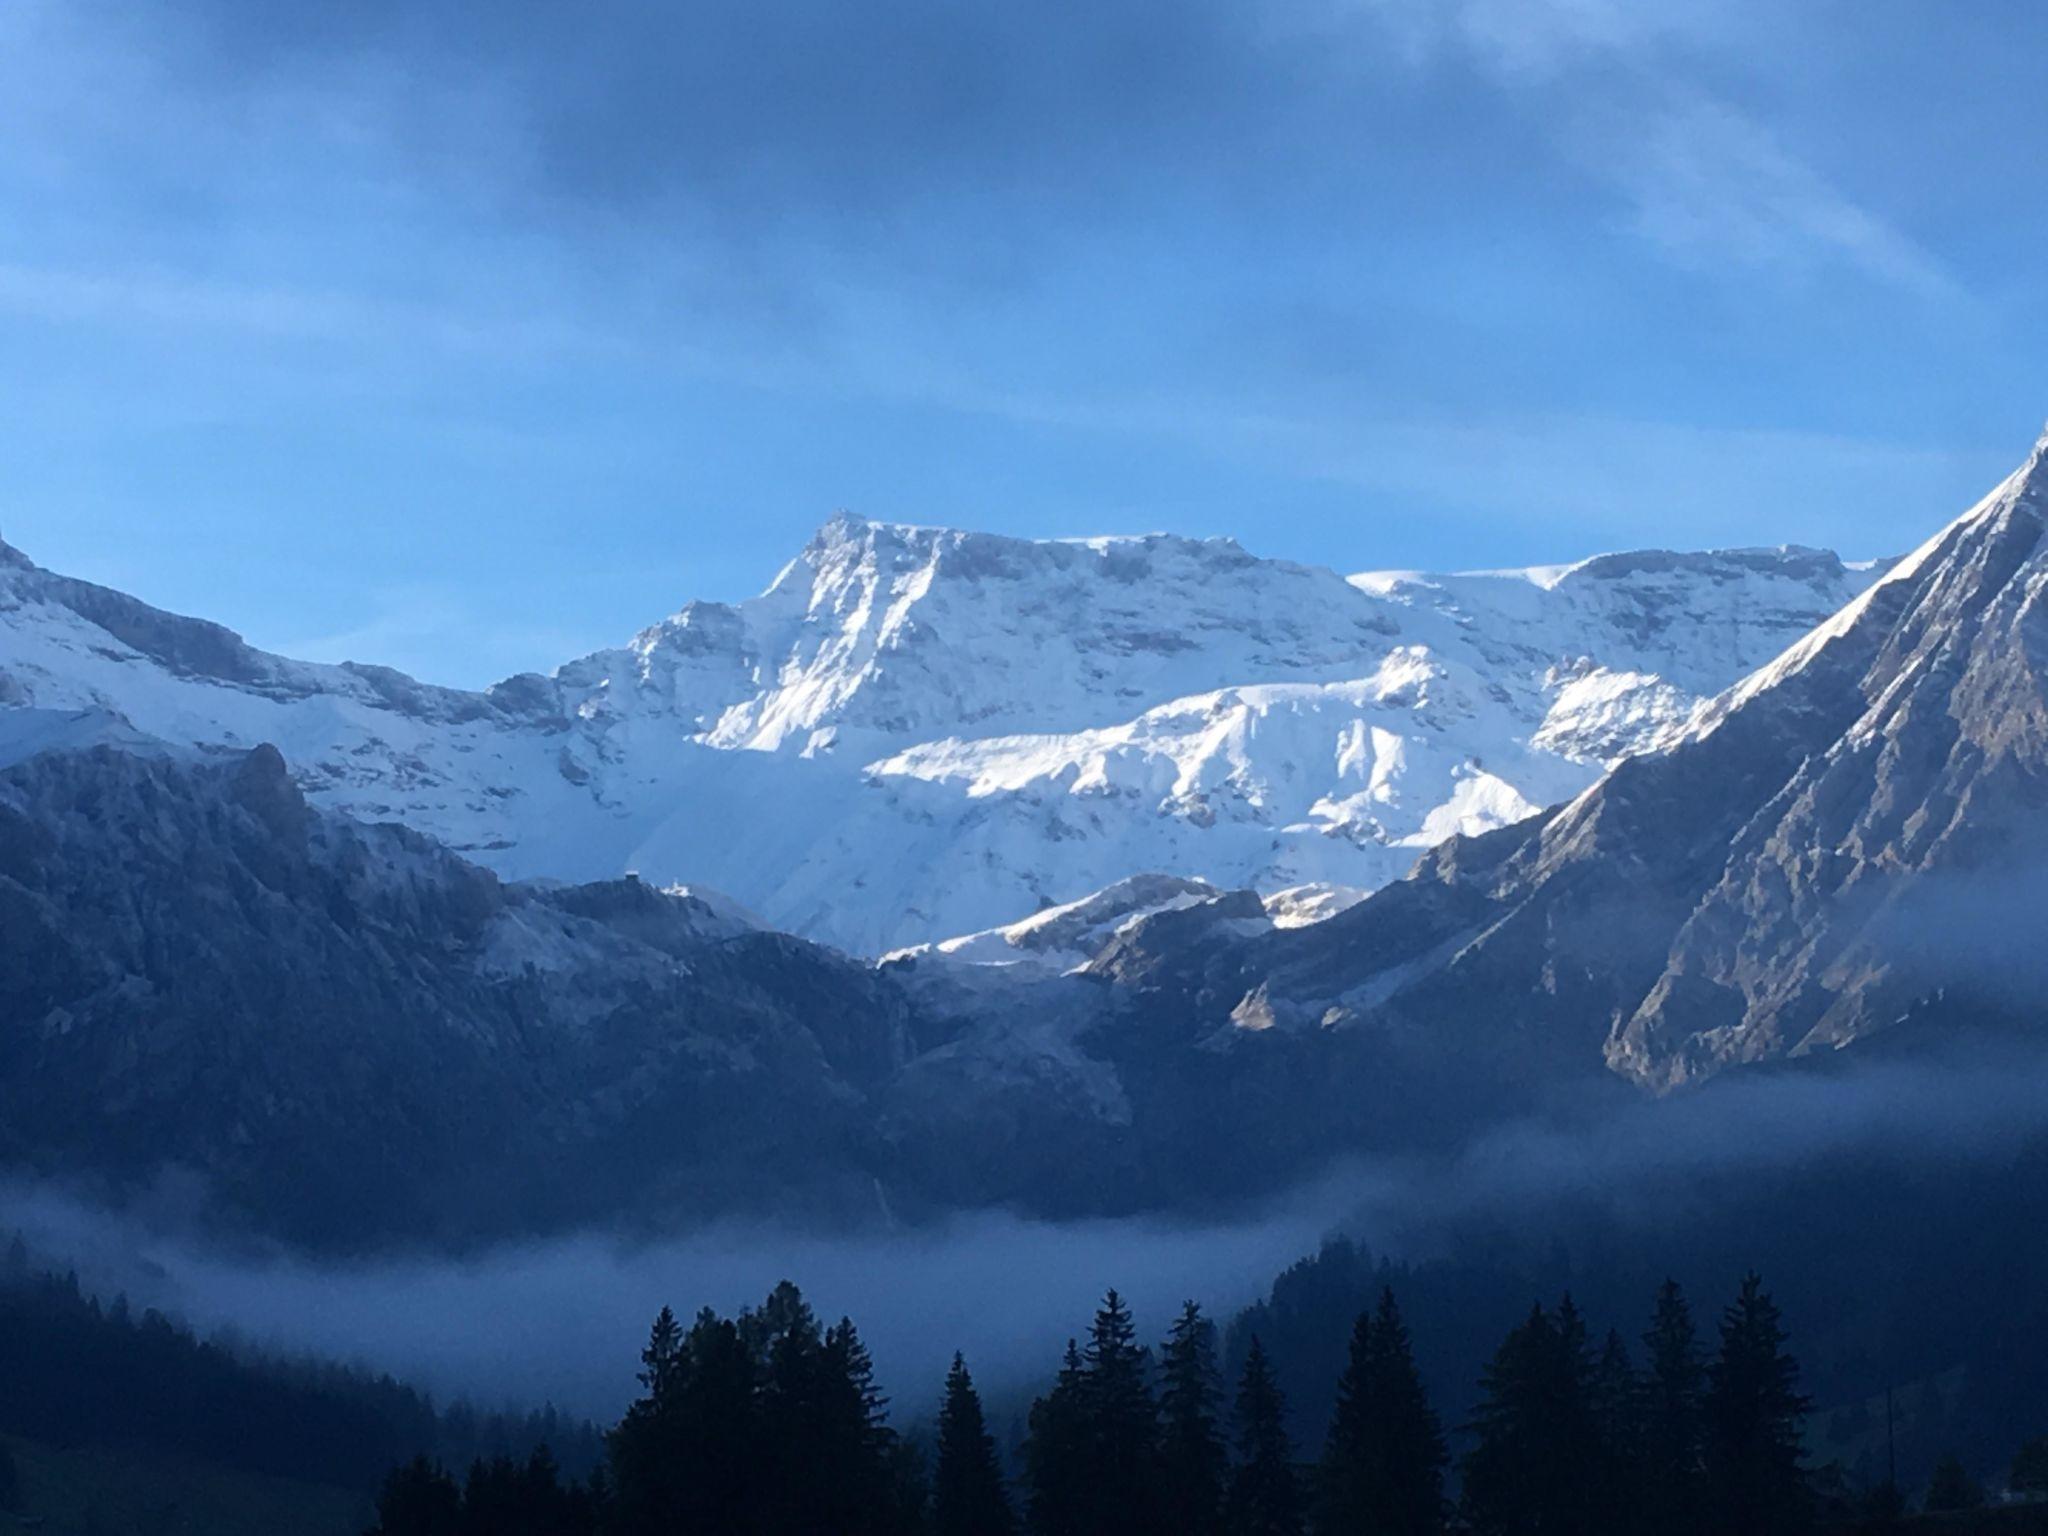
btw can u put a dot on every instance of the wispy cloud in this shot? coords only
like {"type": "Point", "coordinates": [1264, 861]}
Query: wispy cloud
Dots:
{"type": "Point", "coordinates": [1533, 40]}
{"type": "Point", "coordinates": [1707, 181]}
{"type": "Point", "coordinates": [1710, 183]}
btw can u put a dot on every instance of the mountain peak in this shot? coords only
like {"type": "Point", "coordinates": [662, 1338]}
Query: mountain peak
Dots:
{"type": "Point", "coordinates": [842, 527]}
{"type": "Point", "coordinates": [2032, 476]}
{"type": "Point", "coordinates": [961, 725]}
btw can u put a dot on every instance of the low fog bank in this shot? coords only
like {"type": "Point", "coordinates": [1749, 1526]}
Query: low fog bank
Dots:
{"type": "Point", "coordinates": [1967, 1095]}
{"type": "Point", "coordinates": [562, 1320]}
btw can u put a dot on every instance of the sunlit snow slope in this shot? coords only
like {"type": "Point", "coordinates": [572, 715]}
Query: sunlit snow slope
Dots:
{"type": "Point", "coordinates": [916, 733]}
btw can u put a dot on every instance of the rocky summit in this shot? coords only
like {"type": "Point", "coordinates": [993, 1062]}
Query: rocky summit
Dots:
{"type": "Point", "coordinates": [1851, 833]}
{"type": "Point", "coordinates": [920, 733]}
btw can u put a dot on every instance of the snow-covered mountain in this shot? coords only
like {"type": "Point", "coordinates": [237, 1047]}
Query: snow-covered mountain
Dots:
{"type": "Point", "coordinates": [1853, 837]}
{"type": "Point", "coordinates": [211, 968]}
{"type": "Point", "coordinates": [918, 733]}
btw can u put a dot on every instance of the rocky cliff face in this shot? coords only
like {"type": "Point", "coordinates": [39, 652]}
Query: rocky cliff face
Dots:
{"type": "Point", "coordinates": [1854, 829]}
{"type": "Point", "coordinates": [345, 1030]}
{"type": "Point", "coordinates": [1907, 852]}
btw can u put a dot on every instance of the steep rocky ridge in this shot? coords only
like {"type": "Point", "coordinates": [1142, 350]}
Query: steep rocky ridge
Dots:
{"type": "Point", "coordinates": [1854, 829]}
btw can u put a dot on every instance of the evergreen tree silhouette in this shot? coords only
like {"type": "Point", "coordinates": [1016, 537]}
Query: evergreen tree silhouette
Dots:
{"type": "Point", "coordinates": [1534, 1466]}
{"type": "Point", "coordinates": [852, 1467]}
{"type": "Point", "coordinates": [1615, 1402]}
{"type": "Point", "coordinates": [646, 1459]}
{"type": "Point", "coordinates": [797, 1443]}
{"type": "Point", "coordinates": [1265, 1493]}
{"type": "Point", "coordinates": [500, 1497]}
{"type": "Point", "coordinates": [588, 1504]}
{"type": "Point", "coordinates": [1753, 1411]}
{"type": "Point", "coordinates": [10, 1481]}
{"type": "Point", "coordinates": [1344, 1493]}
{"type": "Point", "coordinates": [1383, 1464]}
{"type": "Point", "coordinates": [910, 1492]}
{"type": "Point", "coordinates": [661, 1360]}
{"type": "Point", "coordinates": [1056, 1459]}
{"type": "Point", "coordinates": [968, 1498]}
{"type": "Point", "coordinates": [493, 1500]}
{"type": "Point", "coordinates": [1193, 1463]}
{"type": "Point", "coordinates": [1669, 1485]}
{"type": "Point", "coordinates": [1122, 1423]}
{"type": "Point", "coordinates": [716, 1440]}
{"type": "Point", "coordinates": [419, 1499]}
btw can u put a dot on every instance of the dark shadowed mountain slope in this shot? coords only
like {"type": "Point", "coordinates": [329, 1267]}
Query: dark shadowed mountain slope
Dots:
{"type": "Point", "coordinates": [346, 1029]}
{"type": "Point", "coordinates": [344, 1034]}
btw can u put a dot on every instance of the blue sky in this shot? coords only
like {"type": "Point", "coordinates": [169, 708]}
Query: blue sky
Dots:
{"type": "Point", "coordinates": [469, 336]}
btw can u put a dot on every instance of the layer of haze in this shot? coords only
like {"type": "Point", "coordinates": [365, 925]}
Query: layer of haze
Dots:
{"type": "Point", "coordinates": [562, 1320]}
{"type": "Point", "coordinates": [466, 338]}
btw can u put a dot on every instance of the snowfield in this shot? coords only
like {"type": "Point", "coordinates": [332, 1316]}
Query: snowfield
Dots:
{"type": "Point", "coordinates": [919, 733]}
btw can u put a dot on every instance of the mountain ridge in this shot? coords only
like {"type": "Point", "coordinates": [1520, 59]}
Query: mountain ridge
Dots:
{"type": "Point", "coordinates": [222, 970]}
{"type": "Point", "coordinates": [915, 733]}
{"type": "Point", "coordinates": [1786, 875]}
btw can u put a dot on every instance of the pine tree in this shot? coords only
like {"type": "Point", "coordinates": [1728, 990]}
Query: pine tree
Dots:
{"type": "Point", "coordinates": [1344, 1493]}
{"type": "Point", "coordinates": [1193, 1463]}
{"type": "Point", "coordinates": [549, 1506]}
{"type": "Point", "coordinates": [493, 1502]}
{"type": "Point", "coordinates": [1122, 1424]}
{"type": "Point", "coordinates": [10, 1481]}
{"type": "Point", "coordinates": [1753, 1411]}
{"type": "Point", "coordinates": [1056, 1461]}
{"type": "Point", "coordinates": [419, 1499]}
{"type": "Point", "coordinates": [1502, 1470]}
{"type": "Point", "coordinates": [825, 1457]}
{"type": "Point", "coordinates": [590, 1504]}
{"type": "Point", "coordinates": [1670, 1426]}
{"type": "Point", "coordinates": [714, 1439]}
{"type": "Point", "coordinates": [850, 1466]}
{"type": "Point", "coordinates": [642, 1443]}
{"type": "Point", "coordinates": [1616, 1404]}
{"type": "Point", "coordinates": [1383, 1465]}
{"type": "Point", "coordinates": [968, 1498]}
{"type": "Point", "coordinates": [660, 1361]}
{"type": "Point", "coordinates": [1577, 1450]}
{"type": "Point", "coordinates": [1265, 1495]}
{"type": "Point", "coordinates": [907, 1506]}
{"type": "Point", "coordinates": [1535, 1464]}
{"type": "Point", "coordinates": [783, 1336]}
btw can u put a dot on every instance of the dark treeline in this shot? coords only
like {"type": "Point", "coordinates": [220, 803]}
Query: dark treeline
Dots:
{"type": "Point", "coordinates": [1917, 1279]}
{"type": "Point", "coordinates": [1917, 1272]}
{"type": "Point", "coordinates": [78, 1372]}
{"type": "Point", "coordinates": [759, 1425]}
{"type": "Point", "coordinates": [769, 1424]}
